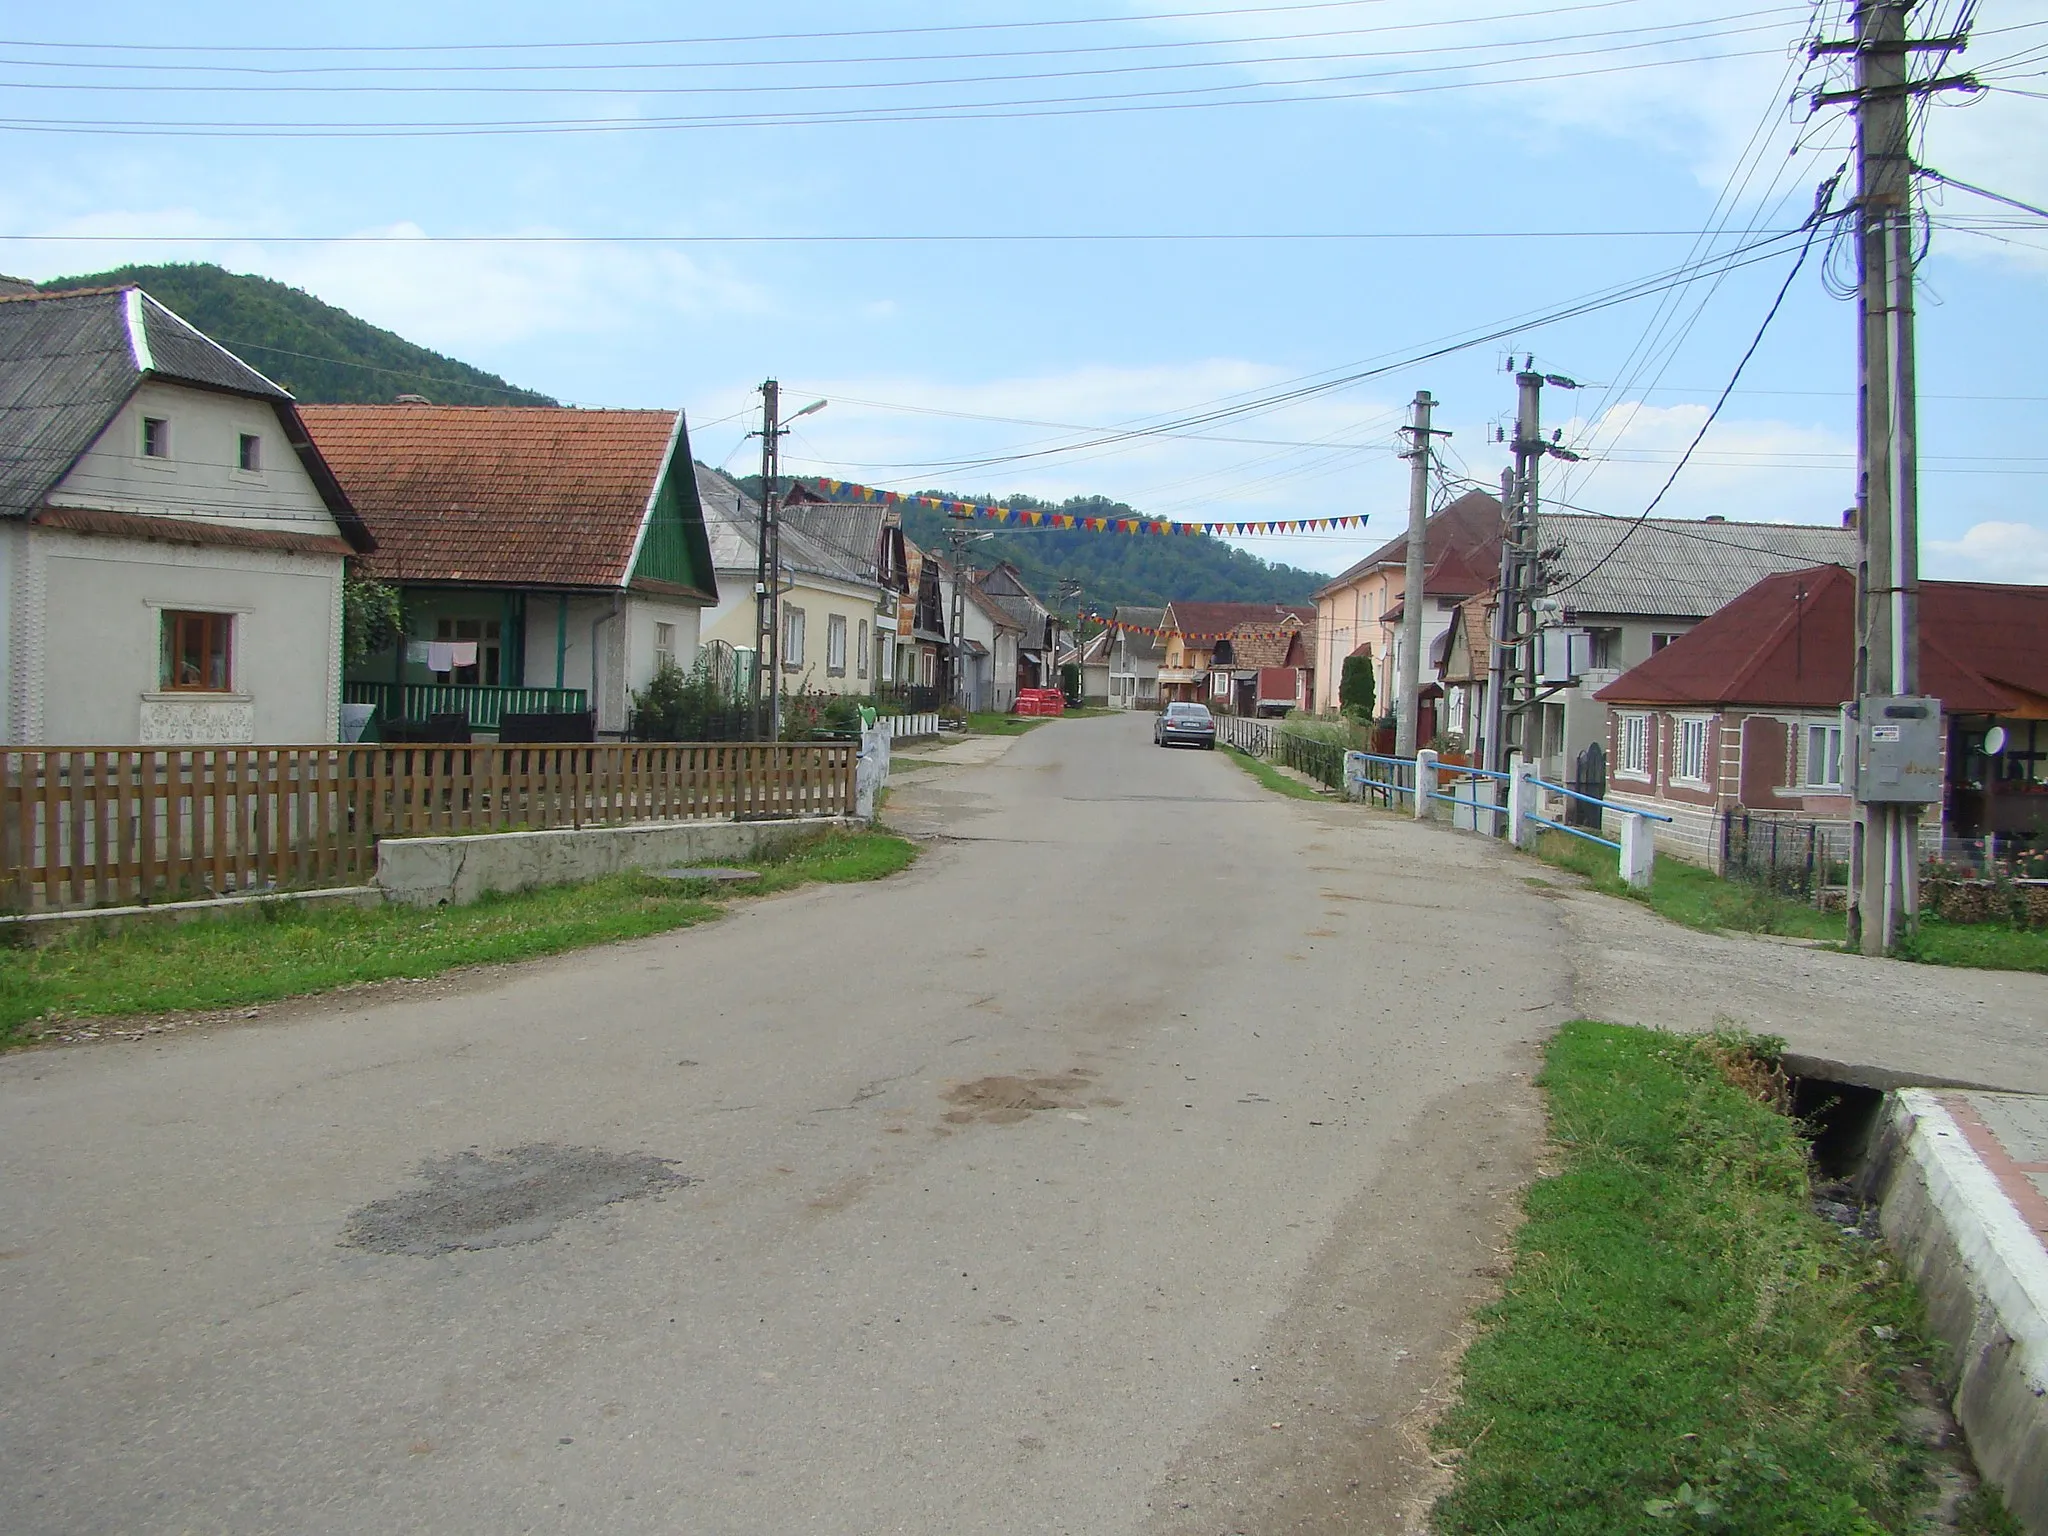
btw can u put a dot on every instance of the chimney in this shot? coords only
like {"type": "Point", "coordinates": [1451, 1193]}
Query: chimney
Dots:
{"type": "Point", "coordinates": [413, 400]}
{"type": "Point", "coordinates": [1848, 517]}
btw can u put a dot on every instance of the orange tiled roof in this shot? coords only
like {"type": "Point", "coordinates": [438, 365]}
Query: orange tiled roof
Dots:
{"type": "Point", "coordinates": [519, 495]}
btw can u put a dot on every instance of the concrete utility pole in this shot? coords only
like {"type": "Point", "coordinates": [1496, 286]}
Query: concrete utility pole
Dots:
{"type": "Point", "coordinates": [956, 538]}
{"type": "Point", "coordinates": [1418, 431]}
{"type": "Point", "coordinates": [1494, 758]}
{"type": "Point", "coordinates": [1884, 894]}
{"type": "Point", "coordinates": [1513, 719]}
{"type": "Point", "coordinates": [768, 575]}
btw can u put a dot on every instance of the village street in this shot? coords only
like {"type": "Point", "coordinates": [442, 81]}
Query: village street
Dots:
{"type": "Point", "coordinates": [1198, 1270]}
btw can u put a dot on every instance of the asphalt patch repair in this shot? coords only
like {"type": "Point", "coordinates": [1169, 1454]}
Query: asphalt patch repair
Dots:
{"type": "Point", "coordinates": [471, 1201]}
{"type": "Point", "coordinates": [1005, 1100]}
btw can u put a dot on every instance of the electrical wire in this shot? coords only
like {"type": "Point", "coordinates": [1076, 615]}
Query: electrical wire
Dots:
{"type": "Point", "coordinates": [1821, 218]}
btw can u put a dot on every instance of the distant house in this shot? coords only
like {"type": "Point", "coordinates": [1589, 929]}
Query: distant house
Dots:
{"type": "Point", "coordinates": [1004, 585]}
{"type": "Point", "coordinates": [171, 541]}
{"type": "Point", "coordinates": [1093, 657]}
{"type": "Point", "coordinates": [840, 564]}
{"type": "Point", "coordinates": [1360, 612]}
{"type": "Point", "coordinates": [1462, 657]}
{"type": "Point", "coordinates": [550, 559]}
{"type": "Point", "coordinates": [987, 641]}
{"type": "Point", "coordinates": [1213, 653]}
{"type": "Point", "coordinates": [924, 657]}
{"type": "Point", "coordinates": [1134, 658]}
{"type": "Point", "coordinates": [1745, 711]}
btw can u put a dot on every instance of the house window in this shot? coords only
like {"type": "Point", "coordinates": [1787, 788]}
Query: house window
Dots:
{"type": "Point", "coordinates": [860, 656]}
{"type": "Point", "coordinates": [156, 438]}
{"type": "Point", "coordinates": [835, 645]}
{"type": "Point", "coordinates": [889, 660]}
{"type": "Point", "coordinates": [198, 652]}
{"type": "Point", "coordinates": [1692, 750]}
{"type": "Point", "coordinates": [249, 453]}
{"type": "Point", "coordinates": [664, 647]}
{"type": "Point", "coordinates": [1658, 642]}
{"type": "Point", "coordinates": [1635, 745]}
{"type": "Point", "coordinates": [1605, 649]}
{"type": "Point", "coordinates": [792, 638]}
{"type": "Point", "coordinates": [473, 653]}
{"type": "Point", "coordinates": [1824, 757]}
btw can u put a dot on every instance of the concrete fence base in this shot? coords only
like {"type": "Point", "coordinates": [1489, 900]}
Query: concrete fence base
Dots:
{"type": "Point", "coordinates": [438, 871]}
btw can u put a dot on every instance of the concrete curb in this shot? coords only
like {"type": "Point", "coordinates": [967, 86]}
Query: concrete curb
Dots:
{"type": "Point", "coordinates": [433, 871]}
{"type": "Point", "coordinates": [48, 927]}
{"type": "Point", "coordinates": [1984, 1277]}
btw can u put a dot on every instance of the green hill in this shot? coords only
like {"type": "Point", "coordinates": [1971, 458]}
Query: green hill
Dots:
{"type": "Point", "coordinates": [323, 355]}
{"type": "Point", "coordinates": [1112, 568]}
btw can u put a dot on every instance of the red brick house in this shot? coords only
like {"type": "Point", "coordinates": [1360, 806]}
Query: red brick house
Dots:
{"type": "Point", "coordinates": [1745, 711]}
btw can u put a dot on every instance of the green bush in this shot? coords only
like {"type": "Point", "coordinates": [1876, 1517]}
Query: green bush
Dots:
{"type": "Point", "coordinates": [1355, 688]}
{"type": "Point", "coordinates": [677, 705]}
{"type": "Point", "coordinates": [1070, 682]}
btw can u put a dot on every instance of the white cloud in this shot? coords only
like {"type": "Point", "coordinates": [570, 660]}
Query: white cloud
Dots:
{"type": "Point", "coordinates": [1991, 551]}
{"type": "Point", "coordinates": [462, 299]}
{"type": "Point", "coordinates": [1757, 470]}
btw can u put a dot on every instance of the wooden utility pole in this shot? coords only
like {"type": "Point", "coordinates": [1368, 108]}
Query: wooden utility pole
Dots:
{"type": "Point", "coordinates": [1418, 432]}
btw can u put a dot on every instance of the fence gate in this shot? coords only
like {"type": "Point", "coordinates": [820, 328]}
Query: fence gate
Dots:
{"type": "Point", "coordinates": [1589, 777]}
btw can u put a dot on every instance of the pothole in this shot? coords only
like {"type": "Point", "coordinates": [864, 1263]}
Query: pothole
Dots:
{"type": "Point", "coordinates": [1005, 1100]}
{"type": "Point", "coordinates": [475, 1201]}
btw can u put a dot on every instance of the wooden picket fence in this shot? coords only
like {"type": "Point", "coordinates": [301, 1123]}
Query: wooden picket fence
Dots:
{"type": "Point", "coordinates": [98, 826]}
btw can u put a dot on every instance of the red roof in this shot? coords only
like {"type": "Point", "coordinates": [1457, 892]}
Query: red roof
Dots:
{"type": "Point", "coordinates": [513, 495]}
{"type": "Point", "coordinates": [1790, 641]}
{"type": "Point", "coordinates": [1460, 548]}
{"type": "Point", "coordinates": [1227, 618]}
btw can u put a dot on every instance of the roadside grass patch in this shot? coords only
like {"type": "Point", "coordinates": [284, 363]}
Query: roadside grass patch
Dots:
{"type": "Point", "coordinates": [1271, 777]}
{"type": "Point", "coordinates": [990, 723]}
{"type": "Point", "coordinates": [1696, 898]}
{"type": "Point", "coordinates": [286, 950]}
{"type": "Point", "coordinates": [1683, 1345]}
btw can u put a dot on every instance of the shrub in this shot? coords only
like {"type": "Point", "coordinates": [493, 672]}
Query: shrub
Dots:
{"type": "Point", "coordinates": [1355, 688]}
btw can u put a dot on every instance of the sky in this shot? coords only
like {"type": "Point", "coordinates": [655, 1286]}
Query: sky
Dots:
{"type": "Point", "coordinates": [1066, 247]}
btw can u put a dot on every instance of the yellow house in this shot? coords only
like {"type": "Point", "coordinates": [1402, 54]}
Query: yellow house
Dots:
{"type": "Point", "coordinates": [838, 609]}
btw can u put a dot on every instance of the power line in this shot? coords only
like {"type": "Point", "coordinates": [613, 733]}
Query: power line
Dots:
{"type": "Point", "coordinates": [1119, 103]}
{"type": "Point", "coordinates": [1821, 219]}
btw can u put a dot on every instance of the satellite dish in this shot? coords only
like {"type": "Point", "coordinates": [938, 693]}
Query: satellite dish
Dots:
{"type": "Point", "coordinates": [1994, 741]}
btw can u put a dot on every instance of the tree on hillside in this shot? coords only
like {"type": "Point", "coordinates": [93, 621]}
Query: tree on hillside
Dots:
{"type": "Point", "coordinates": [320, 353]}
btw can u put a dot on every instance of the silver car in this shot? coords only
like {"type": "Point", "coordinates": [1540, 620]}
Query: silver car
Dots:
{"type": "Point", "coordinates": [1191, 724]}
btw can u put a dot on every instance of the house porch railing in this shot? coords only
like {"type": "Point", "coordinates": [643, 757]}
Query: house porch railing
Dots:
{"type": "Point", "coordinates": [483, 706]}
{"type": "Point", "coordinates": [83, 826]}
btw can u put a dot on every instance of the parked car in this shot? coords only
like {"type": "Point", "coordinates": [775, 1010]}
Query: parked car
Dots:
{"type": "Point", "coordinates": [1190, 723]}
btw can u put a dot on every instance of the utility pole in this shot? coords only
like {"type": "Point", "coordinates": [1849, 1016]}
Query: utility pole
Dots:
{"type": "Point", "coordinates": [1884, 895]}
{"type": "Point", "coordinates": [1513, 716]}
{"type": "Point", "coordinates": [957, 539]}
{"type": "Point", "coordinates": [1407, 723]}
{"type": "Point", "coordinates": [768, 570]}
{"type": "Point", "coordinates": [1500, 663]}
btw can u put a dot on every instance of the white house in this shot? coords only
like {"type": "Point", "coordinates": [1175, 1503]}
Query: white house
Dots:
{"type": "Point", "coordinates": [171, 542]}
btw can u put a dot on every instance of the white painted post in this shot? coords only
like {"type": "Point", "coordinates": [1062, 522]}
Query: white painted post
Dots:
{"type": "Point", "coordinates": [871, 771]}
{"type": "Point", "coordinates": [1354, 775]}
{"type": "Point", "coordinates": [1521, 795]}
{"type": "Point", "coordinates": [1638, 851]}
{"type": "Point", "coordinates": [1425, 785]}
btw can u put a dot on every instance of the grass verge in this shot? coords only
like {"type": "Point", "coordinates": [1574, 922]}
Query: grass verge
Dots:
{"type": "Point", "coordinates": [1687, 894]}
{"type": "Point", "coordinates": [1272, 777]}
{"type": "Point", "coordinates": [286, 950]}
{"type": "Point", "coordinates": [1683, 1345]}
{"type": "Point", "coordinates": [993, 724]}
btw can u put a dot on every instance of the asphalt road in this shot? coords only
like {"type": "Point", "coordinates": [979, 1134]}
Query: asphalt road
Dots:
{"type": "Point", "coordinates": [1129, 1165]}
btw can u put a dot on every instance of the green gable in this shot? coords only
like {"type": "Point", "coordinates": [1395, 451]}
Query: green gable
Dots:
{"type": "Point", "coordinates": [675, 549]}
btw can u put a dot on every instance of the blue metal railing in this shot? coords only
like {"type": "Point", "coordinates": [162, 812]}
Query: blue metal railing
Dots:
{"type": "Point", "coordinates": [1585, 799]}
{"type": "Point", "coordinates": [1383, 788]}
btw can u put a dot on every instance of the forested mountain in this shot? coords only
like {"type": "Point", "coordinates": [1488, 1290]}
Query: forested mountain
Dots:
{"type": "Point", "coordinates": [1111, 567]}
{"type": "Point", "coordinates": [323, 355]}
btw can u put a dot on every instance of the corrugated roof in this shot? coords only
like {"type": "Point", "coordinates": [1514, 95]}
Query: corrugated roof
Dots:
{"type": "Point", "coordinates": [69, 362]}
{"type": "Point", "coordinates": [1675, 567]}
{"type": "Point", "coordinates": [502, 495]}
{"type": "Point", "coordinates": [1789, 641]}
{"type": "Point", "coordinates": [1139, 646]}
{"type": "Point", "coordinates": [839, 540]}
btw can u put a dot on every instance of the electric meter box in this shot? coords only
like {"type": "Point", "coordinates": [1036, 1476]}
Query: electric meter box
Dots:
{"type": "Point", "coordinates": [1898, 750]}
